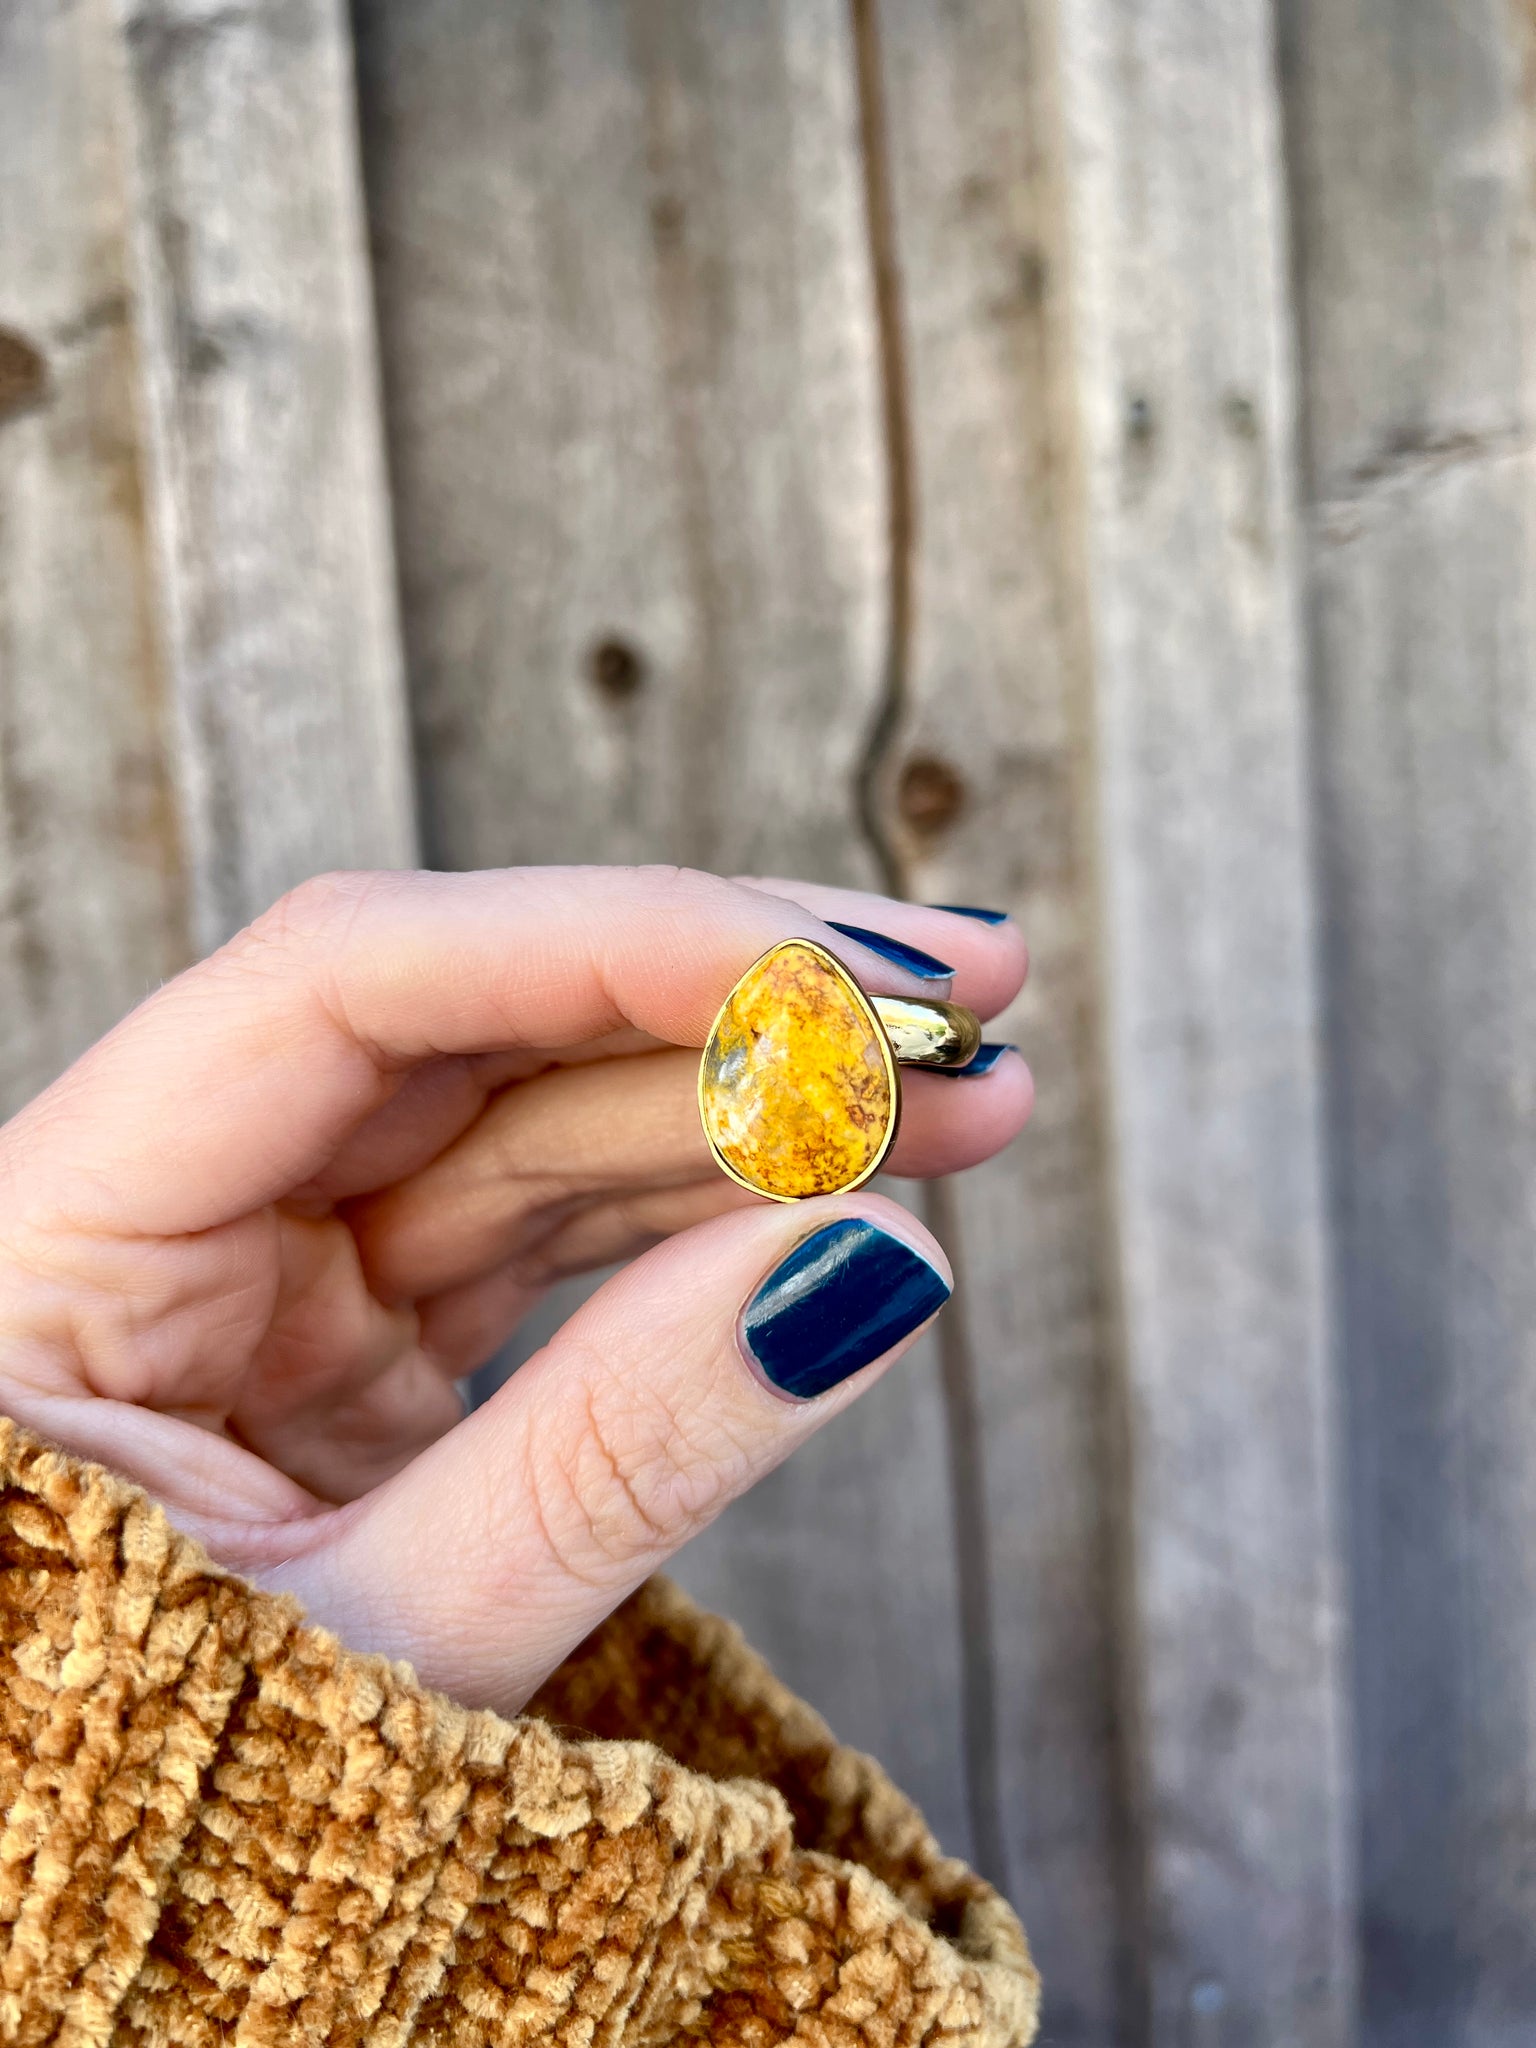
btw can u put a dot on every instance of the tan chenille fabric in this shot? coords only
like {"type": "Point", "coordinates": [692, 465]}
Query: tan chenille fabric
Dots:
{"type": "Point", "coordinates": [220, 1827]}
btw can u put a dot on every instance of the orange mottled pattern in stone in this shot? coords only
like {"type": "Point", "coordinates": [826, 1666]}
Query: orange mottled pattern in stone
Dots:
{"type": "Point", "coordinates": [795, 1092]}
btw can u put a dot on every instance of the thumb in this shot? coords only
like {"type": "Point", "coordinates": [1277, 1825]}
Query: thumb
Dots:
{"type": "Point", "coordinates": [688, 1377]}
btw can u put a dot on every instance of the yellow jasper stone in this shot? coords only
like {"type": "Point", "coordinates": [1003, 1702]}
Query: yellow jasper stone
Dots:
{"type": "Point", "coordinates": [797, 1086]}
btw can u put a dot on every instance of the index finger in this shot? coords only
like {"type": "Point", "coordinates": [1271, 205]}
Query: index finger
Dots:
{"type": "Point", "coordinates": [236, 1082]}
{"type": "Point", "coordinates": [985, 948]}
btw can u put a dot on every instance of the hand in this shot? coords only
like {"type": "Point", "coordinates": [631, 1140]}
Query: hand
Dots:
{"type": "Point", "coordinates": [250, 1240]}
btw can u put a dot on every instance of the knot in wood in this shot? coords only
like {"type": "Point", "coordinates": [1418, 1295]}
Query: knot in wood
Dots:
{"type": "Point", "coordinates": [929, 794]}
{"type": "Point", "coordinates": [616, 668]}
{"type": "Point", "coordinates": [23, 373]}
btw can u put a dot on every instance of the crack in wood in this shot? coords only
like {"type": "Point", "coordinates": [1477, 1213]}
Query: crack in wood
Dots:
{"type": "Point", "coordinates": [876, 781]}
{"type": "Point", "coordinates": [1416, 456]}
{"type": "Point", "coordinates": [876, 768]}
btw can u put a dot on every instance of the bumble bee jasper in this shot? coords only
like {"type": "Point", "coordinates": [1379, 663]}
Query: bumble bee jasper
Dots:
{"type": "Point", "coordinates": [797, 1087]}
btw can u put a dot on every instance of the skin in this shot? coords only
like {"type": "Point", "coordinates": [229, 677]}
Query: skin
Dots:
{"type": "Point", "coordinates": [250, 1240]}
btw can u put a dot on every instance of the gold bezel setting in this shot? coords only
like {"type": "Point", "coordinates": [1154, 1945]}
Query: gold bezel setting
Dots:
{"type": "Point", "coordinates": [937, 1034]}
{"type": "Point", "coordinates": [865, 1004]}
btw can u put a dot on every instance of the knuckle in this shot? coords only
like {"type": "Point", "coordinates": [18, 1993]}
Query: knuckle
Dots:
{"type": "Point", "coordinates": [314, 914]}
{"type": "Point", "coordinates": [619, 1481]}
{"type": "Point", "coordinates": [305, 932]}
{"type": "Point", "coordinates": [685, 888]}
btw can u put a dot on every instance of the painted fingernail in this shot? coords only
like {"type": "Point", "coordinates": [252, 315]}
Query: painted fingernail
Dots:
{"type": "Point", "coordinates": [843, 1297]}
{"type": "Point", "coordinates": [915, 961]}
{"type": "Point", "coordinates": [987, 1057]}
{"type": "Point", "coordinates": [970, 910]}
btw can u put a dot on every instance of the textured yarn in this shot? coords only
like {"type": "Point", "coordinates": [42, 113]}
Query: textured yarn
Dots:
{"type": "Point", "coordinates": [221, 1827]}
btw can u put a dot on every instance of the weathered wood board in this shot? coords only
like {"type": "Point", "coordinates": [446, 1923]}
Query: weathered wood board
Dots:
{"type": "Point", "coordinates": [263, 449]}
{"type": "Point", "coordinates": [91, 895]}
{"type": "Point", "coordinates": [200, 682]}
{"type": "Point", "coordinates": [616, 253]}
{"type": "Point", "coordinates": [1411, 133]}
{"type": "Point", "coordinates": [985, 799]}
{"type": "Point", "coordinates": [1234, 1705]}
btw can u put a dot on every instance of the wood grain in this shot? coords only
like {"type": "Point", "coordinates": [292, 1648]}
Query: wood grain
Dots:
{"type": "Point", "coordinates": [1412, 176]}
{"type": "Point", "coordinates": [277, 594]}
{"type": "Point", "coordinates": [1232, 1638]}
{"type": "Point", "coordinates": [91, 912]}
{"type": "Point", "coordinates": [634, 400]}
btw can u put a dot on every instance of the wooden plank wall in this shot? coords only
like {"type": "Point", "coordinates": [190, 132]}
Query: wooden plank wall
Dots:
{"type": "Point", "coordinates": [1039, 452]}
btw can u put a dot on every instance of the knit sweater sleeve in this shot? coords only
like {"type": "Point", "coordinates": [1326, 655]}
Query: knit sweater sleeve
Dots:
{"type": "Point", "coordinates": [220, 1826]}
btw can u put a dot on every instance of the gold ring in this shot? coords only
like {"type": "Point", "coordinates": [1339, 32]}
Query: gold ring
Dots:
{"type": "Point", "coordinates": [800, 1080]}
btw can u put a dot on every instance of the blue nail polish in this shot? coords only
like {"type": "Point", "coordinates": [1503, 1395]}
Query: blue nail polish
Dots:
{"type": "Point", "coordinates": [970, 910]}
{"type": "Point", "coordinates": [844, 1296]}
{"type": "Point", "coordinates": [987, 1057]}
{"type": "Point", "coordinates": [923, 965]}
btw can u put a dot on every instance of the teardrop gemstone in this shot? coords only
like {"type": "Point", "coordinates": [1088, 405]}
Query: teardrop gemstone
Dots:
{"type": "Point", "coordinates": [797, 1087]}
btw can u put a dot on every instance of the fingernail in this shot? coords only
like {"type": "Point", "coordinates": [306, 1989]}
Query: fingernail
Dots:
{"type": "Point", "coordinates": [844, 1296]}
{"type": "Point", "coordinates": [987, 1057]}
{"type": "Point", "coordinates": [970, 910]}
{"type": "Point", "coordinates": [923, 965]}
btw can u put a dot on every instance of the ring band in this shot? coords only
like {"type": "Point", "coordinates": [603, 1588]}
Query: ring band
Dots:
{"type": "Point", "coordinates": [927, 1033]}
{"type": "Point", "coordinates": [800, 1078]}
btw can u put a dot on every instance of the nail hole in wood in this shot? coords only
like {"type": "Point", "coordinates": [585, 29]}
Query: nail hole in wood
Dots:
{"type": "Point", "coordinates": [929, 795]}
{"type": "Point", "coordinates": [616, 668]}
{"type": "Point", "coordinates": [23, 373]}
